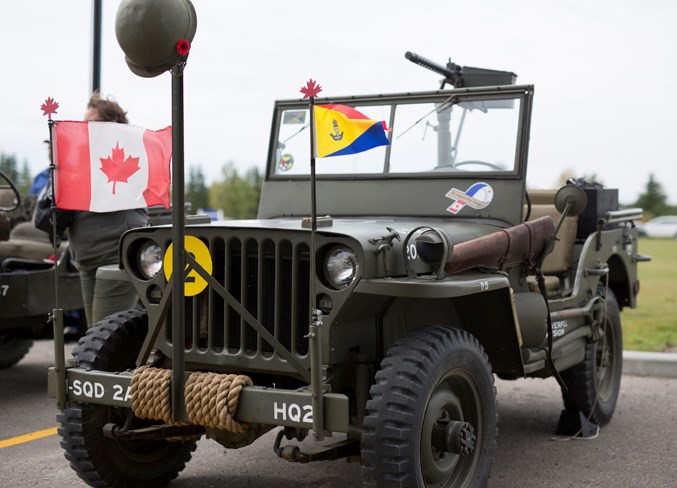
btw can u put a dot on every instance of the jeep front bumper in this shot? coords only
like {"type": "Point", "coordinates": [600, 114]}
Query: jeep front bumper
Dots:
{"type": "Point", "coordinates": [256, 405]}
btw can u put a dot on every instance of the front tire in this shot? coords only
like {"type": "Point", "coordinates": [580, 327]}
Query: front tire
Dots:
{"type": "Point", "coordinates": [434, 385]}
{"type": "Point", "coordinates": [112, 345]}
{"type": "Point", "coordinates": [593, 385]}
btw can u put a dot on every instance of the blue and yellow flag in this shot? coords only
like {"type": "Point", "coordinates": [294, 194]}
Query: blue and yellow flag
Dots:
{"type": "Point", "coordinates": [341, 130]}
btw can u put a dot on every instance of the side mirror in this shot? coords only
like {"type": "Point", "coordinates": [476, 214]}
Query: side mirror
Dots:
{"type": "Point", "coordinates": [570, 201]}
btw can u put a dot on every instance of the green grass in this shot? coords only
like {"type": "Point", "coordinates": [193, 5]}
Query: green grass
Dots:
{"type": "Point", "coordinates": [652, 326]}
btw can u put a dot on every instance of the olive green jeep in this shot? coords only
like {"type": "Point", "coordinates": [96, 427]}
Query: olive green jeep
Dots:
{"type": "Point", "coordinates": [428, 267]}
{"type": "Point", "coordinates": [27, 278]}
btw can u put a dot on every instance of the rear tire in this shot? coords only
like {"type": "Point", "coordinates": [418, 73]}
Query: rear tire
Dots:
{"type": "Point", "coordinates": [593, 385]}
{"type": "Point", "coordinates": [12, 349]}
{"type": "Point", "coordinates": [112, 345]}
{"type": "Point", "coordinates": [437, 379]}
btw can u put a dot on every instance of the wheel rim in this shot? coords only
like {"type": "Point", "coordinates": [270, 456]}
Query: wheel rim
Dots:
{"type": "Point", "coordinates": [606, 362]}
{"type": "Point", "coordinates": [455, 398]}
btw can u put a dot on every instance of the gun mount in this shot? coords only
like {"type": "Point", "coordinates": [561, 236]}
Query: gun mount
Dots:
{"type": "Point", "coordinates": [464, 76]}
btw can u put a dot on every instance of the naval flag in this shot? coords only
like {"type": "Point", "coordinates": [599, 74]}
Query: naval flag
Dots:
{"type": "Point", "coordinates": [343, 130]}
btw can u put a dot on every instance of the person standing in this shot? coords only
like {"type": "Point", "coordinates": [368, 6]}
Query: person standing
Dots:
{"type": "Point", "coordinates": [94, 237]}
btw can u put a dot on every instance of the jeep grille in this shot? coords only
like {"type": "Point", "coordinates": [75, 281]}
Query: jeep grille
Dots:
{"type": "Point", "coordinates": [270, 278]}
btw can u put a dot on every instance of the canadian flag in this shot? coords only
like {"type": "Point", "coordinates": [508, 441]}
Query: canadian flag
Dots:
{"type": "Point", "coordinates": [106, 166]}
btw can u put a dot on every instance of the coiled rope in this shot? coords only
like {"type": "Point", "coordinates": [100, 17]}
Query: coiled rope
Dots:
{"type": "Point", "coordinates": [211, 399]}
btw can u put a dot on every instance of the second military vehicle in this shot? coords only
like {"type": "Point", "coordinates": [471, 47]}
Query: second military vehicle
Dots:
{"type": "Point", "coordinates": [27, 277]}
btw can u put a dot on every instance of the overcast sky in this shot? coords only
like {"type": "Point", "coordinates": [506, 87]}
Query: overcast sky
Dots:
{"type": "Point", "coordinates": [604, 74]}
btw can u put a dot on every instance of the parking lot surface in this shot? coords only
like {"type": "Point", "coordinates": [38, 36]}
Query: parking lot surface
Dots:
{"type": "Point", "coordinates": [638, 448]}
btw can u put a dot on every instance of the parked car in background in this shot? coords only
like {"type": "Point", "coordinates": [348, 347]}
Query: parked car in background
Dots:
{"type": "Point", "coordinates": [664, 226]}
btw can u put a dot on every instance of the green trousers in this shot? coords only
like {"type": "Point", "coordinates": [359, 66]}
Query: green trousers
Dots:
{"type": "Point", "coordinates": [105, 297]}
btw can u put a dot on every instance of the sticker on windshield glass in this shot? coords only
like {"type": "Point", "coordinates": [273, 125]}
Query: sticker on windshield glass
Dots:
{"type": "Point", "coordinates": [478, 196]}
{"type": "Point", "coordinates": [294, 117]}
{"type": "Point", "coordinates": [286, 162]}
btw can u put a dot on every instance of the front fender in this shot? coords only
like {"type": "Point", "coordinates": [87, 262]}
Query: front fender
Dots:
{"type": "Point", "coordinates": [458, 285]}
{"type": "Point", "coordinates": [615, 252]}
{"type": "Point", "coordinates": [481, 303]}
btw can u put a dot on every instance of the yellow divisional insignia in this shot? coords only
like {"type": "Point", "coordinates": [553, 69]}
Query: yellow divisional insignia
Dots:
{"type": "Point", "coordinates": [194, 283]}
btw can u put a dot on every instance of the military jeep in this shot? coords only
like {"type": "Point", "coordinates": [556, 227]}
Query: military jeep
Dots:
{"type": "Point", "coordinates": [380, 309]}
{"type": "Point", "coordinates": [27, 277]}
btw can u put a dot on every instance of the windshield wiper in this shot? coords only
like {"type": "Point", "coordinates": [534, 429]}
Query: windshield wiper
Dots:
{"type": "Point", "coordinates": [283, 143]}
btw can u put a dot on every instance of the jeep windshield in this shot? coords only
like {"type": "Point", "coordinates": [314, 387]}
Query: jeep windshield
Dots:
{"type": "Point", "coordinates": [441, 134]}
{"type": "Point", "coordinates": [445, 146]}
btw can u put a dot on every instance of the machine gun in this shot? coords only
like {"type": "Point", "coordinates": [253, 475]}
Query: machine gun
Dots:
{"type": "Point", "coordinates": [463, 76]}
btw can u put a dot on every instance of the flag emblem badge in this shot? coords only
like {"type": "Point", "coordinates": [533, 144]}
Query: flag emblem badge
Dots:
{"type": "Point", "coordinates": [337, 135]}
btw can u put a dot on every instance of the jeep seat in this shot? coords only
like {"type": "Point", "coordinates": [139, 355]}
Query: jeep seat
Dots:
{"type": "Point", "coordinates": [5, 226]}
{"type": "Point", "coordinates": [560, 260]}
{"type": "Point", "coordinates": [26, 242]}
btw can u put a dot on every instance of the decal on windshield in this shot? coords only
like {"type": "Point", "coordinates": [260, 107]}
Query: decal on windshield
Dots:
{"type": "Point", "coordinates": [478, 196]}
{"type": "Point", "coordinates": [294, 117]}
{"type": "Point", "coordinates": [286, 162]}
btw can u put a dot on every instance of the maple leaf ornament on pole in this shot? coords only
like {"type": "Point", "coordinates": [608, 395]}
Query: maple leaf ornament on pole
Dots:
{"type": "Point", "coordinates": [49, 107]}
{"type": "Point", "coordinates": [91, 155]}
{"type": "Point", "coordinates": [311, 89]}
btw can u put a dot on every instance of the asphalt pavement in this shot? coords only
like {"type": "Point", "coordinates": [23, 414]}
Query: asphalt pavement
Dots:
{"type": "Point", "coordinates": [637, 449]}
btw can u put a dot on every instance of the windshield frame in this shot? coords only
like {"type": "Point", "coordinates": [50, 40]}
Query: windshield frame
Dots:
{"type": "Point", "coordinates": [516, 92]}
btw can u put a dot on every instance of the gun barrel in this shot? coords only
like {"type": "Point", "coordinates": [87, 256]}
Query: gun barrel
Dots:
{"type": "Point", "coordinates": [431, 65]}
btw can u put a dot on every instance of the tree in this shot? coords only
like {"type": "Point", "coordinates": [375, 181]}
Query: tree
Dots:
{"type": "Point", "coordinates": [21, 178]}
{"type": "Point", "coordinates": [654, 200]}
{"type": "Point", "coordinates": [8, 166]}
{"type": "Point", "coordinates": [25, 179]}
{"type": "Point", "coordinates": [197, 192]}
{"type": "Point", "coordinates": [238, 196]}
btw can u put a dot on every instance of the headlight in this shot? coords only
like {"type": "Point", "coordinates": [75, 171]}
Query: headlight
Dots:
{"type": "Point", "coordinates": [341, 267]}
{"type": "Point", "coordinates": [150, 259]}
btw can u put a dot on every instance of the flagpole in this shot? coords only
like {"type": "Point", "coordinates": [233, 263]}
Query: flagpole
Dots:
{"type": "Point", "coordinates": [313, 194]}
{"type": "Point", "coordinates": [178, 257]}
{"type": "Point", "coordinates": [314, 343]}
{"type": "Point", "coordinates": [57, 312]}
{"type": "Point", "coordinates": [313, 207]}
{"type": "Point", "coordinates": [52, 168]}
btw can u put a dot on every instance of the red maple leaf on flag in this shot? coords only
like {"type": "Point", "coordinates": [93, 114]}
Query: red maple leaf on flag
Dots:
{"type": "Point", "coordinates": [117, 168]}
{"type": "Point", "coordinates": [311, 89]}
{"type": "Point", "coordinates": [49, 107]}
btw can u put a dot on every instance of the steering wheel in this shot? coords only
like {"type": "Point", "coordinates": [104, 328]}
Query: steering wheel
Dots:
{"type": "Point", "coordinates": [479, 163]}
{"type": "Point", "coordinates": [7, 184]}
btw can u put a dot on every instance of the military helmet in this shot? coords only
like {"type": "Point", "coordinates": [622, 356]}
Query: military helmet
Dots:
{"type": "Point", "coordinates": [155, 34]}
